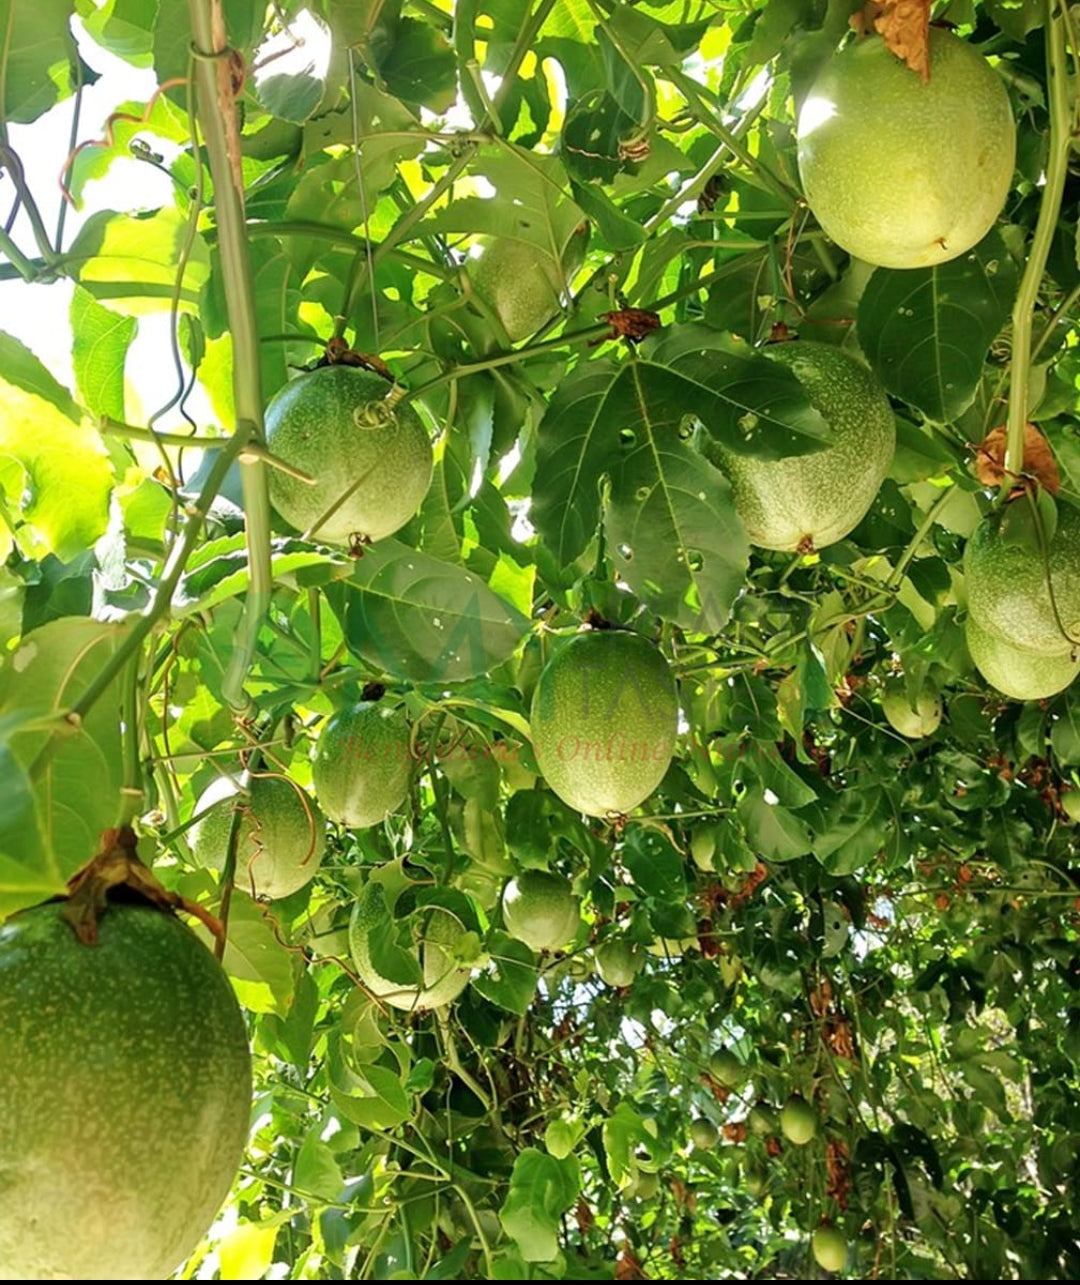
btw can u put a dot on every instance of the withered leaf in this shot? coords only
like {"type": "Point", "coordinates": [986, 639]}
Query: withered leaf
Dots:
{"type": "Point", "coordinates": [1039, 461]}
{"type": "Point", "coordinates": [905, 27]}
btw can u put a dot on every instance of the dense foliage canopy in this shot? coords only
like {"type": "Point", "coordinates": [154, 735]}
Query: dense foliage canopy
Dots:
{"type": "Point", "coordinates": [825, 978]}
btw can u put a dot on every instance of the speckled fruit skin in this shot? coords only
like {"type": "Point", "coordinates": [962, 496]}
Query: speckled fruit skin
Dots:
{"type": "Point", "coordinates": [437, 931]}
{"type": "Point", "coordinates": [541, 910]}
{"type": "Point", "coordinates": [125, 1084]}
{"type": "Point", "coordinates": [1007, 589]}
{"type": "Point", "coordinates": [900, 172]}
{"type": "Point", "coordinates": [334, 424]}
{"type": "Point", "coordinates": [604, 719]}
{"type": "Point", "coordinates": [520, 283]}
{"type": "Point", "coordinates": [1020, 674]}
{"type": "Point", "coordinates": [281, 841]}
{"type": "Point", "coordinates": [807, 502]}
{"type": "Point", "coordinates": [362, 763]}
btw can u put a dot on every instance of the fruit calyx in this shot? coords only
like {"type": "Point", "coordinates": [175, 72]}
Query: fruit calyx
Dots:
{"type": "Point", "coordinates": [116, 871]}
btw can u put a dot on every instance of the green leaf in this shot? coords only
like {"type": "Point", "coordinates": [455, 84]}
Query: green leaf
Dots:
{"type": "Point", "coordinates": [424, 620]}
{"type": "Point", "coordinates": [256, 959]}
{"type": "Point", "coordinates": [315, 1170]}
{"type": "Point", "coordinates": [534, 207]}
{"type": "Point", "coordinates": [248, 1250]}
{"type": "Point", "coordinates": [123, 27]}
{"type": "Point", "coordinates": [133, 262]}
{"type": "Point", "coordinates": [28, 873]}
{"type": "Point", "coordinates": [38, 56]}
{"type": "Point", "coordinates": [655, 866]}
{"type": "Point", "coordinates": [101, 342]}
{"type": "Point", "coordinates": [511, 975]}
{"type": "Point", "coordinates": [418, 66]}
{"type": "Point", "coordinates": [774, 831]}
{"type": "Point", "coordinates": [218, 570]}
{"type": "Point", "coordinates": [672, 528]}
{"type": "Point", "coordinates": [542, 1189]}
{"type": "Point", "coordinates": [68, 470]}
{"type": "Point", "coordinates": [926, 331]}
{"type": "Point", "coordinates": [380, 1103]}
{"type": "Point", "coordinates": [74, 772]}
{"type": "Point", "coordinates": [619, 230]}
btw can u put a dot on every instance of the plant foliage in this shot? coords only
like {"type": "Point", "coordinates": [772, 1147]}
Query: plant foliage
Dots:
{"type": "Point", "coordinates": [886, 927]}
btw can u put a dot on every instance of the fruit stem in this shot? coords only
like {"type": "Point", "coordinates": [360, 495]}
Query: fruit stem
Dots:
{"type": "Point", "coordinates": [1061, 120]}
{"type": "Point", "coordinates": [131, 792]}
{"type": "Point", "coordinates": [217, 116]}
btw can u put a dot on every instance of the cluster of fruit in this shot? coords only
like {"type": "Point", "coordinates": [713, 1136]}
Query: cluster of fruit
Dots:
{"type": "Point", "coordinates": [892, 185]}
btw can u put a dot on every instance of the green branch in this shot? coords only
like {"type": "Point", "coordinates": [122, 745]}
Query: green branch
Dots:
{"type": "Point", "coordinates": [1061, 123]}
{"type": "Point", "coordinates": [217, 116]}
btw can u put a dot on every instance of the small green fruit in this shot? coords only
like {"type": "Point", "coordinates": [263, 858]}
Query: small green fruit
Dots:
{"type": "Point", "coordinates": [604, 719]}
{"type": "Point", "coordinates": [805, 502]}
{"type": "Point", "coordinates": [413, 961]}
{"type": "Point", "coordinates": [704, 1134]}
{"type": "Point", "coordinates": [703, 848]}
{"type": "Point", "coordinates": [541, 910]}
{"type": "Point", "coordinates": [1007, 588]}
{"type": "Point", "coordinates": [362, 763]}
{"type": "Point", "coordinates": [371, 461]}
{"type": "Point", "coordinates": [798, 1121]}
{"type": "Point", "coordinates": [1017, 672]}
{"type": "Point", "coordinates": [281, 838]}
{"type": "Point", "coordinates": [520, 283]}
{"type": "Point", "coordinates": [830, 1248]}
{"type": "Point", "coordinates": [727, 1069]}
{"type": "Point", "coordinates": [618, 962]}
{"type": "Point", "coordinates": [914, 723]}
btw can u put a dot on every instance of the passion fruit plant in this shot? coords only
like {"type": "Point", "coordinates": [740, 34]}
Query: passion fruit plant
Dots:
{"type": "Point", "coordinates": [850, 870]}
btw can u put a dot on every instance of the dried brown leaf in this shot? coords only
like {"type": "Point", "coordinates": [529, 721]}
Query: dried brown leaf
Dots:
{"type": "Point", "coordinates": [905, 27]}
{"type": "Point", "coordinates": [1039, 461]}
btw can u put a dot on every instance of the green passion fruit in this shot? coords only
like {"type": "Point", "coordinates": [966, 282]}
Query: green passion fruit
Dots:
{"type": "Point", "coordinates": [410, 961]}
{"type": "Point", "coordinates": [1017, 672]}
{"type": "Point", "coordinates": [362, 763]}
{"type": "Point", "coordinates": [371, 460]}
{"type": "Point", "coordinates": [281, 838]}
{"type": "Point", "coordinates": [798, 1121]}
{"type": "Point", "coordinates": [902, 172]}
{"type": "Point", "coordinates": [520, 283]}
{"type": "Point", "coordinates": [704, 1134]}
{"type": "Point", "coordinates": [541, 910]}
{"type": "Point", "coordinates": [1009, 577]}
{"type": "Point", "coordinates": [125, 1079]}
{"type": "Point", "coordinates": [913, 719]}
{"type": "Point", "coordinates": [604, 719]}
{"type": "Point", "coordinates": [618, 962]}
{"type": "Point", "coordinates": [829, 1248]}
{"type": "Point", "coordinates": [805, 502]}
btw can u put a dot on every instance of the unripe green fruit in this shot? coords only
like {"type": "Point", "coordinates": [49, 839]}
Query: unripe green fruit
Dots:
{"type": "Point", "coordinates": [704, 1134]}
{"type": "Point", "coordinates": [1007, 588]}
{"type": "Point", "coordinates": [899, 171]}
{"type": "Point", "coordinates": [618, 962]}
{"type": "Point", "coordinates": [1017, 672]}
{"type": "Point", "coordinates": [520, 283]}
{"type": "Point", "coordinates": [762, 1120]}
{"type": "Point", "coordinates": [604, 720]}
{"type": "Point", "coordinates": [830, 1248]}
{"type": "Point", "coordinates": [362, 763]}
{"type": "Point", "coordinates": [805, 502]}
{"type": "Point", "coordinates": [798, 1121]}
{"type": "Point", "coordinates": [541, 910]}
{"type": "Point", "coordinates": [726, 1069]}
{"type": "Point", "coordinates": [125, 1080]}
{"type": "Point", "coordinates": [281, 838]}
{"type": "Point", "coordinates": [424, 972]}
{"type": "Point", "coordinates": [336, 425]}
{"type": "Point", "coordinates": [915, 723]}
